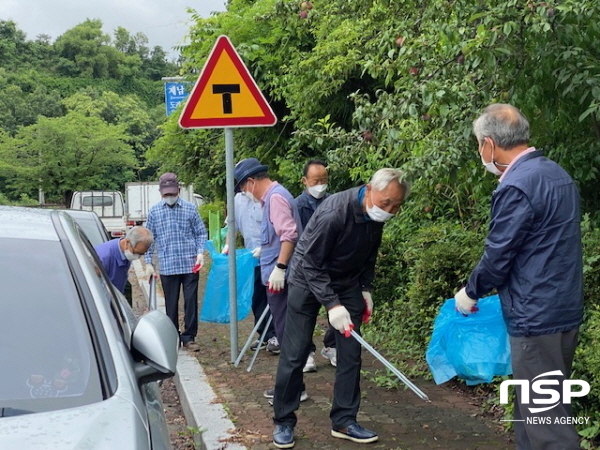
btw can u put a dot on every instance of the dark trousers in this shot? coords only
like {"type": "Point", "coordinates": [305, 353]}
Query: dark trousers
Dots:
{"type": "Point", "coordinates": [278, 306]}
{"type": "Point", "coordinates": [171, 285]}
{"type": "Point", "coordinates": [329, 338]}
{"type": "Point", "coordinates": [128, 293]}
{"type": "Point", "coordinates": [259, 303]}
{"type": "Point", "coordinates": [533, 356]}
{"type": "Point", "coordinates": [302, 312]}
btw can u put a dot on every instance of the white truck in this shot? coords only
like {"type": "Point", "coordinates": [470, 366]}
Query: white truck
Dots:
{"type": "Point", "coordinates": [142, 195]}
{"type": "Point", "coordinates": [109, 206]}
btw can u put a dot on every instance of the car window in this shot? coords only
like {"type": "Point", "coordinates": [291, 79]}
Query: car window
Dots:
{"type": "Point", "coordinates": [91, 230]}
{"type": "Point", "coordinates": [46, 353]}
{"type": "Point", "coordinates": [97, 200]}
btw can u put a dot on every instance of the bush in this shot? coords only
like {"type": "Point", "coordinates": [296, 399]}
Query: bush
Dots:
{"type": "Point", "coordinates": [417, 270]}
{"type": "Point", "coordinates": [591, 263]}
{"type": "Point", "coordinates": [217, 206]}
{"type": "Point", "coordinates": [586, 366]}
{"type": "Point", "coordinates": [24, 200]}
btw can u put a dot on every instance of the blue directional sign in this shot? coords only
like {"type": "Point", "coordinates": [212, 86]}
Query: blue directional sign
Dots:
{"type": "Point", "coordinates": [175, 93]}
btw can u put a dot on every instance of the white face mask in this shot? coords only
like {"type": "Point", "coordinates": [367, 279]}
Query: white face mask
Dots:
{"type": "Point", "coordinates": [317, 191]}
{"type": "Point", "coordinates": [171, 200]}
{"type": "Point", "coordinates": [131, 256]}
{"type": "Point", "coordinates": [250, 194]}
{"type": "Point", "coordinates": [490, 166]}
{"type": "Point", "coordinates": [378, 215]}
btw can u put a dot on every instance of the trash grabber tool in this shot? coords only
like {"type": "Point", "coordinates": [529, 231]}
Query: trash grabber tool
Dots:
{"type": "Point", "coordinates": [262, 338]}
{"type": "Point", "coordinates": [249, 340]}
{"type": "Point", "coordinates": [387, 364]}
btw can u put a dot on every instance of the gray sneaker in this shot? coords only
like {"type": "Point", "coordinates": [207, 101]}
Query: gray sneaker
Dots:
{"type": "Point", "coordinates": [310, 365]}
{"type": "Point", "coordinates": [330, 353]}
{"type": "Point", "coordinates": [273, 346]}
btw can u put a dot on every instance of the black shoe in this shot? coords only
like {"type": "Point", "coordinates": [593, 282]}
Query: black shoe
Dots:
{"type": "Point", "coordinates": [283, 436]}
{"type": "Point", "coordinates": [191, 346]}
{"type": "Point", "coordinates": [270, 393]}
{"type": "Point", "coordinates": [355, 433]}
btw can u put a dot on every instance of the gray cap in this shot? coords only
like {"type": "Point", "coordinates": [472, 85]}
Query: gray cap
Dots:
{"type": "Point", "coordinates": [168, 183]}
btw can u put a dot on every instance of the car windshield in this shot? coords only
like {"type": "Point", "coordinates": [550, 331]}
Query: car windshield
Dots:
{"type": "Point", "coordinates": [46, 352]}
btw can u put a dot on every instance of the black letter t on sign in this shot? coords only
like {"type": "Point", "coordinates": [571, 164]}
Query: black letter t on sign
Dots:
{"type": "Point", "coordinates": [226, 90]}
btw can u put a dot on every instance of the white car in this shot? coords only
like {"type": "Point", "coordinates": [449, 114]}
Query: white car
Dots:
{"type": "Point", "coordinates": [78, 370]}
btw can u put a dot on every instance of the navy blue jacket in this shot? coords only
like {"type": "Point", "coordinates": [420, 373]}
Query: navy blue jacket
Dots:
{"type": "Point", "coordinates": [533, 253]}
{"type": "Point", "coordinates": [307, 205]}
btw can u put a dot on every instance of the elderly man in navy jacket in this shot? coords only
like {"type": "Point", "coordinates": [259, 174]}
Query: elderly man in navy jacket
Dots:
{"type": "Point", "coordinates": [533, 257]}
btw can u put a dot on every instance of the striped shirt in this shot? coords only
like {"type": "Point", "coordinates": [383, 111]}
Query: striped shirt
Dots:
{"type": "Point", "coordinates": [179, 236]}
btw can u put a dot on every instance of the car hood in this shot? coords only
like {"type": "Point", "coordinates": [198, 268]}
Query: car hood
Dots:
{"type": "Point", "coordinates": [111, 424]}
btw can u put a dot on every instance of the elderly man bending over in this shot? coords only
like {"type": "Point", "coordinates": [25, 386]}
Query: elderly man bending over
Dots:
{"type": "Point", "coordinates": [116, 255]}
{"type": "Point", "coordinates": [333, 265]}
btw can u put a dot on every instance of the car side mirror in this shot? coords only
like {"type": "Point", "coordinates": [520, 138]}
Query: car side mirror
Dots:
{"type": "Point", "coordinates": [155, 342]}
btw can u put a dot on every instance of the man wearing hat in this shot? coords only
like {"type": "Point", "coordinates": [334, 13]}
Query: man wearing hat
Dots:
{"type": "Point", "coordinates": [280, 228]}
{"type": "Point", "coordinates": [179, 237]}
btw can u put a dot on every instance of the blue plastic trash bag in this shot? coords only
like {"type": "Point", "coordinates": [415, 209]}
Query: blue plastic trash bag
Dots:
{"type": "Point", "coordinates": [474, 347]}
{"type": "Point", "coordinates": [215, 306]}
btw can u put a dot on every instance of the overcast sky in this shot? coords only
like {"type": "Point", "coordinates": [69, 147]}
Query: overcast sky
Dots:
{"type": "Point", "coordinates": [164, 22]}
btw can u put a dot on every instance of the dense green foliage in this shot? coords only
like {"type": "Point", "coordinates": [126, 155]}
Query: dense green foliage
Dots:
{"type": "Point", "coordinates": [366, 84]}
{"type": "Point", "coordinates": [79, 113]}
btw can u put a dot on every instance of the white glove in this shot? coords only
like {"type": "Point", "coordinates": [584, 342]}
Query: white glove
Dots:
{"type": "Point", "coordinates": [225, 250]}
{"type": "Point", "coordinates": [366, 317]}
{"type": "Point", "coordinates": [465, 304]}
{"type": "Point", "coordinates": [200, 259]}
{"type": "Point", "coordinates": [276, 280]}
{"type": "Point", "coordinates": [340, 319]}
{"type": "Point", "coordinates": [256, 252]}
{"type": "Point", "coordinates": [150, 270]}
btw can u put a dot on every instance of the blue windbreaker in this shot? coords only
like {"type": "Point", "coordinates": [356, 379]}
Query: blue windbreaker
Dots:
{"type": "Point", "coordinates": [533, 253]}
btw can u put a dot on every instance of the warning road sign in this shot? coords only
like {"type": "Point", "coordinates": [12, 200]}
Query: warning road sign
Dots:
{"type": "Point", "coordinates": [225, 94]}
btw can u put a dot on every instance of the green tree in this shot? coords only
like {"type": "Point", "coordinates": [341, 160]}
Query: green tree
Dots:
{"type": "Point", "coordinates": [374, 83]}
{"type": "Point", "coordinates": [140, 125]}
{"type": "Point", "coordinates": [85, 47]}
{"type": "Point", "coordinates": [65, 154]}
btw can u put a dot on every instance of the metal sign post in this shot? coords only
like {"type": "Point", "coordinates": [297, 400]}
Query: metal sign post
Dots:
{"type": "Point", "coordinates": [233, 329]}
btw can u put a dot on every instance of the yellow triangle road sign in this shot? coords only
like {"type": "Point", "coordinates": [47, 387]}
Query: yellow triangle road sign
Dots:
{"type": "Point", "coordinates": [225, 94]}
